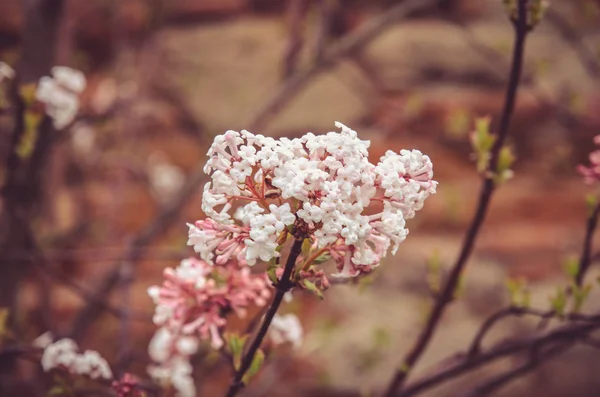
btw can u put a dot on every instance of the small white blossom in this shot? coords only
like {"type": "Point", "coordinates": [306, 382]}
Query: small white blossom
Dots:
{"type": "Point", "coordinates": [90, 363]}
{"type": "Point", "coordinates": [44, 340]}
{"type": "Point", "coordinates": [6, 72]}
{"type": "Point", "coordinates": [64, 354]}
{"type": "Point", "coordinates": [286, 328]}
{"type": "Point", "coordinates": [60, 94]}
{"type": "Point", "coordinates": [165, 178]}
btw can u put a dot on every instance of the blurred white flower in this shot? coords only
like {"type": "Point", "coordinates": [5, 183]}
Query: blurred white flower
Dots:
{"type": "Point", "coordinates": [6, 72]}
{"type": "Point", "coordinates": [286, 328]}
{"type": "Point", "coordinates": [171, 353]}
{"type": "Point", "coordinates": [83, 139]}
{"type": "Point", "coordinates": [90, 363]}
{"type": "Point", "coordinates": [43, 340]}
{"type": "Point", "coordinates": [165, 178]}
{"type": "Point", "coordinates": [64, 354]}
{"type": "Point", "coordinates": [60, 94]}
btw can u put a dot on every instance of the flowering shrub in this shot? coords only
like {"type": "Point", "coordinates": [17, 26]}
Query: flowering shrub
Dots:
{"type": "Point", "coordinates": [318, 189]}
{"type": "Point", "coordinates": [277, 212]}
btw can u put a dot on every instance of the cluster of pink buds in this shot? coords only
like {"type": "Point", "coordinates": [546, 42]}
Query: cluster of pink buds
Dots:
{"type": "Point", "coordinates": [591, 174]}
{"type": "Point", "coordinates": [195, 297]}
{"type": "Point", "coordinates": [322, 188]}
{"type": "Point", "coordinates": [192, 305]}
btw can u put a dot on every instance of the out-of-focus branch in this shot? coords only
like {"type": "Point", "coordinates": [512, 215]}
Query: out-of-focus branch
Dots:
{"type": "Point", "coordinates": [296, 14]}
{"type": "Point", "coordinates": [536, 358]}
{"type": "Point", "coordinates": [324, 28]}
{"type": "Point", "coordinates": [345, 47]}
{"type": "Point", "coordinates": [135, 252]}
{"type": "Point", "coordinates": [22, 189]}
{"type": "Point", "coordinates": [462, 364]}
{"type": "Point", "coordinates": [487, 190]}
{"type": "Point", "coordinates": [125, 352]}
{"type": "Point", "coordinates": [518, 311]}
{"type": "Point", "coordinates": [497, 59]}
{"type": "Point", "coordinates": [587, 57]}
{"type": "Point", "coordinates": [81, 291]}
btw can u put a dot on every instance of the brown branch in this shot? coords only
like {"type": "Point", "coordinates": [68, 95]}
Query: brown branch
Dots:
{"type": "Point", "coordinates": [324, 29]}
{"type": "Point", "coordinates": [297, 10]}
{"type": "Point", "coordinates": [487, 189]}
{"type": "Point", "coordinates": [83, 292]}
{"type": "Point", "coordinates": [345, 47]}
{"type": "Point", "coordinates": [22, 189]}
{"type": "Point", "coordinates": [125, 352]}
{"type": "Point", "coordinates": [570, 332]}
{"type": "Point", "coordinates": [499, 381]}
{"type": "Point", "coordinates": [283, 285]}
{"type": "Point", "coordinates": [586, 253]}
{"type": "Point", "coordinates": [496, 59]}
{"type": "Point", "coordinates": [586, 56]}
{"type": "Point", "coordinates": [475, 347]}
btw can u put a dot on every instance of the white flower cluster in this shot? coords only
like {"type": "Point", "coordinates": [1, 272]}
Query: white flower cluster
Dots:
{"type": "Point", "coordinates": [60, 94]}
{"type": "Point", "coordinates": [171, 353]}
{"type": "Point", "coordinates": [64, 354]}
{"type": "Point", "coordinates": [286, 328]}
{"type": "Point", "coordinates": [323, 185]}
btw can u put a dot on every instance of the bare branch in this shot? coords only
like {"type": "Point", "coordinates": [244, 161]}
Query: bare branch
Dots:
{"type": "Point", "coordinates": [297, 10]}
{"type": "Point", "coordinates": [346, 47]}
{"type": "Point", "coordinates": [586, 252]}
{"type": "Point", "coordinates": [487, 189]}
{"type": "Point", "coordinates": [463, 364]}
{"type": "Point", "coordinates": [499, 381]}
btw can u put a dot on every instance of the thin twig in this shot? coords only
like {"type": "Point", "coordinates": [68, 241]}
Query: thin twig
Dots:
{"type": "Point", "coordinates": [87, 295]}
{"type": "Point", "coordinates": [283, 285]}
{"type": "Point", "coordinates": [475, 347]}
{"type": "Point", "coordinates": [324, 29]}
{"type": "Point", "coordinates": [125, 352]}
{"type": "Point", "coordinates": [586, 252]}
{"type": "Point", "coordinates": [486, 389]}
{"type": "Point", "coordinates": [487, 190]}
{"type": "Point", "coordinates": [568, 332]}
{"type": "Point", "coordinates": [297, 10]}
{"type": "Point", "coordinates": [346, 47]}
{"type": "Point", "coordinates": [587, 57]}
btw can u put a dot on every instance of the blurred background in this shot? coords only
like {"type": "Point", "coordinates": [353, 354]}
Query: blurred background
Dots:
{"type": "Point", "coordinates": [164, 77]}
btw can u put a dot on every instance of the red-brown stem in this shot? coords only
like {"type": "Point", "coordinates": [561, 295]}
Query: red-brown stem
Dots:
{"type": "Point", "coordinates": [487, 189]}
{"type": "Point", "coordinates": [586, 254]}
{"type": "Point", "coordinates": [283, 286]}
